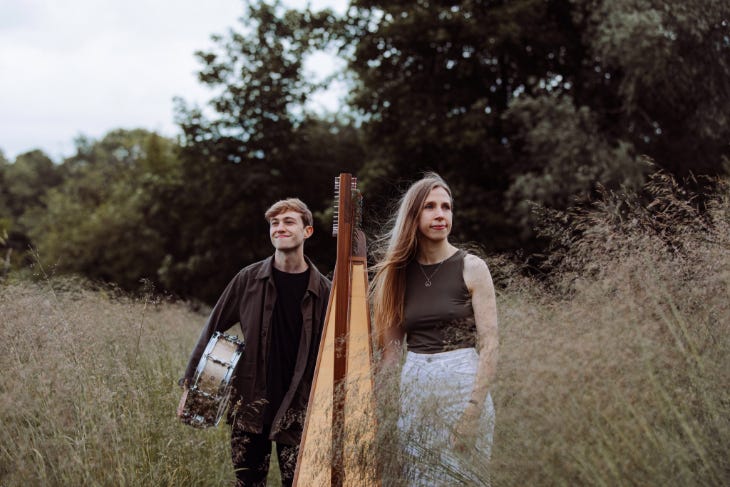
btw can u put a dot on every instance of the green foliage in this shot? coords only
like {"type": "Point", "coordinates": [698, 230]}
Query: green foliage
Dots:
{"type": "Point", "coordinates": [25, 183]}
{"type": "Point", "coordinates": [568, 155]}
{"type": "Point", "coordinates": [435, 79]}
{"type": "Point", "coordinates": [431, 88]}
{"type": "Point", "coordinates": [256, 146]}
{"type": "Point", "coordinates": [453, 87]}
{"type": "Point", "coordinates": [672, 62]}
{"type": "Point", "coordinates": [4, 196]}
{"type": "Point", "coordinates": [98, 222]}
{"type": "Point", "coordinates": [519, 104]}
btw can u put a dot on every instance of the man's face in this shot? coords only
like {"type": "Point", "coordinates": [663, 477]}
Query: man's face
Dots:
{"type": "Point", "coordinates": [287, 231]}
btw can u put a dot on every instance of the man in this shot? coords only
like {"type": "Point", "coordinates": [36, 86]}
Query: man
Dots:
{"type": "Point", "coordinates": [280, 304]}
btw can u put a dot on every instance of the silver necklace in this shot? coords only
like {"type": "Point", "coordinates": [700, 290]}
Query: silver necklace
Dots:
{"type": "Point", "coordinates": [428, 278]}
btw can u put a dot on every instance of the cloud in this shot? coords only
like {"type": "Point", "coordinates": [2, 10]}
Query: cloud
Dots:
{"type": "Point", "coordinates": [87, 66]}
{"type": "Point", "coordinates": [77, 67]}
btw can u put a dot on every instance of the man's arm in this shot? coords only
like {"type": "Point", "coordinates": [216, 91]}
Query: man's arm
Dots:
{"type": "Point", "coordinates": [222, 317]}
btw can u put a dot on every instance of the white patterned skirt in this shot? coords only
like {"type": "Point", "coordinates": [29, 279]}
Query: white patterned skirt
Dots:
{"type": "Point", "coordinates": [435, 390]}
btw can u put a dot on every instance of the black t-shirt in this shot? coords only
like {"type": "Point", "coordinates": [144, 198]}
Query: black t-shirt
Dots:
{"type": "Point", "coordinates": [284, 337]}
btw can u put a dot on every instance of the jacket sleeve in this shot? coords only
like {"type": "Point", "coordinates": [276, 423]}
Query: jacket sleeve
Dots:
{"type": "Point", "coordinates": [222, 317]}
{"type": "Point", "coordinates": [322, 314]}
{"type": "Point", "coordinates": [327, 288]}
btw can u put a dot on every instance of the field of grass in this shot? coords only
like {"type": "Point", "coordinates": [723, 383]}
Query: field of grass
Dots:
{"type": "Point", "coordinates": [616, 371]}
{"type": "Point", "coordinates": [89, 391]}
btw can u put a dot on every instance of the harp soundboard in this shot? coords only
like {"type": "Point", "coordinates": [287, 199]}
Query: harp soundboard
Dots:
{"type": "Point", "coordinates": [337, 443]}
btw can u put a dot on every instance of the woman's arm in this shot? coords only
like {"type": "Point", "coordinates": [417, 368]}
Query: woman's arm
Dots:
{"type": "Point", "coordinates": [479, 282]}
{"type": "Point", "coordinates": [387, 376]}
{"type": "Point", "coordinates": [393, 347]}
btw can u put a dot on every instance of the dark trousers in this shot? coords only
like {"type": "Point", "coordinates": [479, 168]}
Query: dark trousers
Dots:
{"type": "Point", "coordinates": [251, 453]}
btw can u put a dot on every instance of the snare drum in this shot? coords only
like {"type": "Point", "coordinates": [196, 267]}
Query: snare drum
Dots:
{"type": "Point", "coordinates": [202, 404]}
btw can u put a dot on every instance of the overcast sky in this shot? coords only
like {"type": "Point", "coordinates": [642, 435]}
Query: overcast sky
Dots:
{"type": "Point", "coordinates": [76, 67]}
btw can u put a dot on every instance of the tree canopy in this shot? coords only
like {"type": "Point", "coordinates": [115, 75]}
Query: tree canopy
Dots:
{"type": "Point", "coordinates": [535, 100]}
{"type": "Point", "coordinates": [517, 104]}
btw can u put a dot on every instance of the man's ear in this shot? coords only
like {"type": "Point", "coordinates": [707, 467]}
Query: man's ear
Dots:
{"type": "Point", "coordinates": [308, 231]}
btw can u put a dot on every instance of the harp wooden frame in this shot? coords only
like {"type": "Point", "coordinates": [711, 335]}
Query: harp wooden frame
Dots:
{"type": "Point", "coordinates": [339, 431]}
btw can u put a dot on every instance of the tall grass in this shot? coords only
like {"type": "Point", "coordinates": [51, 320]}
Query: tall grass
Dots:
{"type": "Point", "coordinates": [616, 371]}
{"type": "Point", "coordinates": [89, 391]}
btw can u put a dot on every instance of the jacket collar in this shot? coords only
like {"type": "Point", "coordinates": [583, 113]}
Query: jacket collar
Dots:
{"type": "Point", "coordinates": [267, 269]}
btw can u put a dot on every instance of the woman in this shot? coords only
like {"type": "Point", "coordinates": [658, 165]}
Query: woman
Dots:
{"type": "Point", "coordinates": [439, 301]}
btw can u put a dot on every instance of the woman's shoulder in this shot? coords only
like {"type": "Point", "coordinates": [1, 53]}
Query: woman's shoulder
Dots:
{"type": "Point", "coordinates": [473, 261]}
{"type": "Point", "coordinates": [475, 269]}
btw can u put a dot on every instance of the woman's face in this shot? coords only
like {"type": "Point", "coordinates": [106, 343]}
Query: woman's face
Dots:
{"type": "Point", "coordinates": [434, 223]}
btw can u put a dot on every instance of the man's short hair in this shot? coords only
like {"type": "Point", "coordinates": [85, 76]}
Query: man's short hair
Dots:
{"type": "Point", "coordinates": [290, 204]}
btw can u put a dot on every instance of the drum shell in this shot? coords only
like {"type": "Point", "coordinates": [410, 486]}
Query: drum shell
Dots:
{"type": "Point", "coordinates": [203, 404]}
{"type": "Point", "coordinates": [217, 370]}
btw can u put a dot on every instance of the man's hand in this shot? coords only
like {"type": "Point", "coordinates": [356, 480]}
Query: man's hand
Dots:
{"type": "Point", "coordinates": [183, 382]}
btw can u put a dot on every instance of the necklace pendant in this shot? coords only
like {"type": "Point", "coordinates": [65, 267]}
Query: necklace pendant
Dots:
{"type": "Point", "coordinates": [428, 278]}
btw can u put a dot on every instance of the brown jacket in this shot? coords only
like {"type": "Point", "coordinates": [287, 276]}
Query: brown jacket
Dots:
{"type": "Point", "coordinates": [249, 300]}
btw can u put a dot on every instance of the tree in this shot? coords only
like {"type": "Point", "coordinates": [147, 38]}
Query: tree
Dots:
{"type": "Point", "coordinates": [537, 99]}
{"type": "Point", "coordinates": [568, 156]}
{"type": "Point", "coordinates": [98, 222]}
{"type": "Point", "coordinates": [671, 61]}
{"type": "Point", "coordinates": [666, 68]}
{"type": "Point", "coordinates": [24, 184]}
{"type": "Point", "coordinates": [5, 218]}
{"type": "Point", "coordinates": [26, 181]}
{"type": "Point", "coordinates": [434, 80]}
{"type": "Point", "coordinates": [258, 145]}
{"type": "Point", "coordinates": [4, 195]}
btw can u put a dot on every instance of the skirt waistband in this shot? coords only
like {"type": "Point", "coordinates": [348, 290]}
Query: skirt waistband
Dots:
{"type": "Point", "coordinates": [442, 357]}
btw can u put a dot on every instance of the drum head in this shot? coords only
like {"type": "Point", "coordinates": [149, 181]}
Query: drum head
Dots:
{"type": "Point", "coordinates": [204, 403]}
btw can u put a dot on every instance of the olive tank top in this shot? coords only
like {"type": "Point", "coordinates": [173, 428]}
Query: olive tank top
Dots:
{"type": "Point", "coordinates": [439, 317]}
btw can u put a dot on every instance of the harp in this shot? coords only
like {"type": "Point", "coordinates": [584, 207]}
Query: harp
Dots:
{"type": "Point", "coordinates": [339, 431]}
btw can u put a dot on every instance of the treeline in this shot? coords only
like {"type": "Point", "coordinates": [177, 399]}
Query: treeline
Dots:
{"type": "Point", "coordinates": [517, 104]}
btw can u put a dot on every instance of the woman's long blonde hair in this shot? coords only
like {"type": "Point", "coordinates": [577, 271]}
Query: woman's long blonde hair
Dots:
{"type": "Point", "coordinates": [394, 250]}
